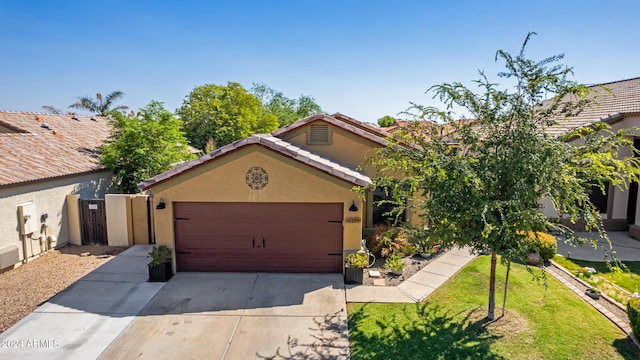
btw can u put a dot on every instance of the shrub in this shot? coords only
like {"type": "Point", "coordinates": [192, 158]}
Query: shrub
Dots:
{"type": "Point", "coordinates": [541, 243]}
{"type": "Point", "coordinates": [633, 311]}
{"type": "Point", "coordinates": [388, 239]}
{"type": "Point", "coordinates": [394, 262]}
{"type": "Point", "coordinates": [356, 260]}
{"type": "Point", "coordinates": [160, 255]}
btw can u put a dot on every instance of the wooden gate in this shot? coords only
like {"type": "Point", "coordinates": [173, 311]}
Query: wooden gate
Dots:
{"type": "Point", "coordinates": [93, 217]}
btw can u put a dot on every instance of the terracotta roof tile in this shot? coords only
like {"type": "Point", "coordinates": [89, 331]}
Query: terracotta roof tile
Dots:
{"type": "Point", "coordinates": [344, 122]}
{"type": "Point", "coordinates": [624, 98]}
{"type": "Point", "coordinates": [30, 152]}
{"type": "Point", "coordinates": [278, 145]}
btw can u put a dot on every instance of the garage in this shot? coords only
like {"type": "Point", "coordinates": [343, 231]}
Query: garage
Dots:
{"type": "Point", "coordinates": [258, 237]}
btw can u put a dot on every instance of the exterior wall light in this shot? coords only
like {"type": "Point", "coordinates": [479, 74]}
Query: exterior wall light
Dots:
{"type": "Point", "coordinates": [161, 205]}
{"type": "Point", "coordinates": [353, 206]}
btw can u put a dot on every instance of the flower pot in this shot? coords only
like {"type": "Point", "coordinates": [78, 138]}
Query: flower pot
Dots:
{"type": "Point", "coordinates": [533, 259]}
{"type": "Point", "coordinates": [160, 273]}
{"type": "Point", "coordinates": [426, 255]}
{"type": "Point", "coordinates": [353, 275]}
{"type": "Point", "coordinates": [397, 273]}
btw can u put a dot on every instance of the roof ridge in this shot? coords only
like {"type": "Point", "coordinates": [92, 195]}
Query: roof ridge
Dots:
{"type": "Point", "coordinates": [46, 113]}
{"type": "Point", "coordinates": [613, 82]}
{"type": "Point", "coordinates": [275, 144]}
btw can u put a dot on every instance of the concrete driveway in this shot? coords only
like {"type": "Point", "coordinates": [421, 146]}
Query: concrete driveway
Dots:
{"type": "Point", "coordinates": [240, 316]}
{"type": "Point", "coordinates": [114, 313]}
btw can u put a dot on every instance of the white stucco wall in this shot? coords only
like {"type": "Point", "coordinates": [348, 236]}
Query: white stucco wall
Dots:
{"type": "Point", "coordinates": [49, 197]}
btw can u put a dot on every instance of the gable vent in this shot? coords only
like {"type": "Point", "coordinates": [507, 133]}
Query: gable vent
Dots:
{"type": "Point", "coordinates": [319, 134]}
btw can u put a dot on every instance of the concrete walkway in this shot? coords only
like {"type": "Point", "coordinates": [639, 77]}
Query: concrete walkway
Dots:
{"type": "Point", "coordinates": [626, 248]}
{"type": "Point", "coordinates": [418, 286]}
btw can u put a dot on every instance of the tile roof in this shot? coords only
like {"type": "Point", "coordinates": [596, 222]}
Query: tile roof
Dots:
{"type": "Point", "coordinates": [624, 98]}
{"type": "Point", "coordinates": [273, 143]}
{"type": "Point", "coordinates": [362, 125]}
{"type": "Point", "coordinates": [35, 146]}
{"type": "Point", "coordinates": [342, 121]}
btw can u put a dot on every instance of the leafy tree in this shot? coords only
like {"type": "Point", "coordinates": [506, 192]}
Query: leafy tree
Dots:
{"type": "Point", "coordinates": [480, 182]}
{"type": "Point", "coordinates": [285, 109]}
{"type": "Point", "coordinates": [102, 106]}
{"type": "Point", "coordinates": [223, 114]}
{"type": "Point", "coordinates": [143, 146]}
{"type": "Point", "coordinates": [386, 121]}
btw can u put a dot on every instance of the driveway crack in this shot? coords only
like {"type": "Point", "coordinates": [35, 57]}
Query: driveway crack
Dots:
{"type": "Point", "coordinates": [244, 308]}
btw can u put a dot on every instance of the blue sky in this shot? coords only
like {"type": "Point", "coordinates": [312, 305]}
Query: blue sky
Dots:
{"type": "Point", "coordinates": [365, 59]}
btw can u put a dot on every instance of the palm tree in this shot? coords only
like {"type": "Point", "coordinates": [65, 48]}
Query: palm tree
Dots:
{"type": "Point", "coordinates": [100, 106]}
{"type": "Point", "coordinates": [52, 109]}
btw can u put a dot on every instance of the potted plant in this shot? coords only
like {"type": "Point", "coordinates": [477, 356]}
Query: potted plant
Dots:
{"type": "Point", "coordinates": [427, 249]}
{"type": "Point", "coordinates": [160, 265]}
{"type": "Point", "coordinates": [353, 265]}
{"type": "Point", "coordinates": [394, 264]}
{"type": "Point", "coordinates": [593, 293]}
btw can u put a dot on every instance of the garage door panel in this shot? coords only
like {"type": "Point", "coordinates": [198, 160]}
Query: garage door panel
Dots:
{"type": "Point", "coordinates": [282, 237]}
{"type": "Point", "coordinates": [198, 263]}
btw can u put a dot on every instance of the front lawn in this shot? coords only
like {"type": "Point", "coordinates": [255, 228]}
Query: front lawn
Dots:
{"type": "Point", "coordinates": [541, 323]}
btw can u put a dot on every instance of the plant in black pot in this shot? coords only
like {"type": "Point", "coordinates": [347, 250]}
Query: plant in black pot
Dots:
{"type": "Point", "coordinates": [160, 265]}
{"type": "Point", "coordinates": [353, 267]}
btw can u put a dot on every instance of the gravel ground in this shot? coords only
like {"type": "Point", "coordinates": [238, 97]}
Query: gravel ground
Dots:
{"type": "Point", "coordinates": [31, 284]}
{"type": "Point", "coordinates": [413, 264]}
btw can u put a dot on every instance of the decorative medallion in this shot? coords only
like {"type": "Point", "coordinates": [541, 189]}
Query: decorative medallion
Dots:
{"type": "Point", "coordinates": [257, 178]}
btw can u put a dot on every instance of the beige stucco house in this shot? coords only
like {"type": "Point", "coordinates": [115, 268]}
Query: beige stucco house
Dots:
{"type": "Point", "coordinates": [47, 162]}
{"type": "Point", "coordinates": [280, 202]}
{"type": "Point", "coordinates": [617, 104]}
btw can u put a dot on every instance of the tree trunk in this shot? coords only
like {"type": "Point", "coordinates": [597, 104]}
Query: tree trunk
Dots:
{"type": "Point", "coordinates": [492, 287]}
{"type": "Point", "coordinates": [506, 284]}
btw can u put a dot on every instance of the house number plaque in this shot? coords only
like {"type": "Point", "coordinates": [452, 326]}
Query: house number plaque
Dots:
{"type": "Point", "coordinates": [257, 178]}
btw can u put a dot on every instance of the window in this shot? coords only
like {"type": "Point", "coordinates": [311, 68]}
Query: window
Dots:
{"type": "Point", "coordinates": [319, 134]}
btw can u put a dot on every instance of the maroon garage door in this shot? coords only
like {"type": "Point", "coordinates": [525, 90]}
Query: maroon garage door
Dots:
{"type": "Point", "coordinates": [261, 237]}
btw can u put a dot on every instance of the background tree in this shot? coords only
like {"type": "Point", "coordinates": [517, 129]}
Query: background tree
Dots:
{"type": "Point", "coordinates": [144, 145]}
{"type": "Point", "coordinates": [484, 192]}
{"type": "Point", "coordinates": [285, 109]}
{"type": "Point", "coordinates": [223, 114]}
{"type": "Point", "coordinates": [386, 121]}
{"type": "Point", "coordinates": [102, 106]}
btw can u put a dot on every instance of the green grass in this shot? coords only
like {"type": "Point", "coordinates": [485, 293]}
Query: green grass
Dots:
{"type": "Point", "coordinates": [541, 323]}
{"type": "Point", "coordinates": [628, 280]}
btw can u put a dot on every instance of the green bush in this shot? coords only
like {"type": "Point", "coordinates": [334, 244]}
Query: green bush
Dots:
{"type": "Point", "coordinates": [356, 260]}
{"type": "Point", "coordinates": [160, 255]}
{"type": "Point", "coordinates": [633, 311]}
{"type": "Point", "coordinates": [541, 243]}
{"type": "Point", "coordinates": [394, 262]}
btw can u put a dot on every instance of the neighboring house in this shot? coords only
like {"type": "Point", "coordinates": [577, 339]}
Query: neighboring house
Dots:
{"type": "Point", "coordinates": [280, 202]}
{"type": "Point", "coordinates": [618, 104]}
{"type": "Point", "coordinates": [44, 159]}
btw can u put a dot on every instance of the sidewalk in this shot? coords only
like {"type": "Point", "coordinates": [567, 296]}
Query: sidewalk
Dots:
{"type": "Point", "coordinates": [626, 248]}
{"type": "Point", "coordinates": [417, 287]}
